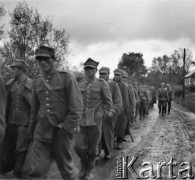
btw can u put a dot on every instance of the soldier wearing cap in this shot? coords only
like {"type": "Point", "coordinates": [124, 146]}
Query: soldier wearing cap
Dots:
{"type": "Point", "coordinates": [162, 96]}
{"type": "Point", "coordinates": [16, 140]}
{"type": "Point", "coordinates": [143, 101]}
{"type": "Point", "coordinates": [2, 109]}
{"type": "Point", "coordinates": [109, 121]}
{"type": "Point", "coordinates": [56, 112]}
{"type": "Point", "coordinates": [149, 98]}
{"type": "Point", "coordinates": [97, 104]}
{"type": "Point", "coordinates": [122, 119]}
{"type": "Point", "coordinates": [170, 97]}
{"type": "Point", "coordinates": [132, 103]}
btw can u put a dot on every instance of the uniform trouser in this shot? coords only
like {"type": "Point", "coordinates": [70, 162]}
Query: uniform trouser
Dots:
{"type": "Point", "coordinates": [169, 106]}
{"type": "Point", "coordinates": [162, 106]}
{"type": "Point", "coordinates": [137, 109]}
{"type": "Point", "coordinates": [142, 109]}
{"type": "Point", "coordinates": [60, 150]}
{"type": "Point", "coordinates": [87, 140]}
{"type": "Point", "coordinates": [121, 129]}
{"type": "Point", "coordinates": [108, 134]}
{"type": "Point", "coordinates": [14, 148]}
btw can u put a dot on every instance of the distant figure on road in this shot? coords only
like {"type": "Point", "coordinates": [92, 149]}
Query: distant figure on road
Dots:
{"type": "Point", "coordinates": [162, 97]}
{"type": "Point", "coordinates": [170, 95]}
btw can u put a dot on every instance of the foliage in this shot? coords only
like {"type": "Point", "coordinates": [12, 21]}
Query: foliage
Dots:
{"type": "Point", "coordinates": [192, 88]}
{"type": "Point", "coordinates": [2, 13]}
{"type": "Point", "coordinates": [133, 64]}
{"type": "Point", "coordinates": [169, 69]}
{"type": "Point", "coordinates": [28, 31]}
{"type": "Point", "coordinates": [178, 90]}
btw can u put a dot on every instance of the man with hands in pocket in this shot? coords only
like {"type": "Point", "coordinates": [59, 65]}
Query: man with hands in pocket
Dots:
{"type": "Point", "coordinates": [56, 111]}
{"type": "Point", "coordinates": [97, 101]}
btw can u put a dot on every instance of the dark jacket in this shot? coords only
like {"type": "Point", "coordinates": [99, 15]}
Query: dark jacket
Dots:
{"type": "Point", "coordinates": [56, 100]}
{"type": "Point", "coordinates": [2, 108]}
{"type": "Point", "coordinates": [116, 97]}
{"type": "Point", "coordinates": [18, 102]}
{"type": "Point", "coordinates": [97, 101]}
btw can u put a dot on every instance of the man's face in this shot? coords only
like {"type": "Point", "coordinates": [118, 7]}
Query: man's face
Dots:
{"type": "Point", "coordinates": [117, 77]}
{"type": "Point", "coordinates": [17, 71]}
{"type": "Point", "coordinates": [90, 72]}
{"type": "Point", "coordinates": [46, 64]}
{"type": "Point", "coordinates": [104, 76]}
{"type": "Point", "coordinates": [125, 79]}
{"type": "Point", "coordinates": [162, 86]}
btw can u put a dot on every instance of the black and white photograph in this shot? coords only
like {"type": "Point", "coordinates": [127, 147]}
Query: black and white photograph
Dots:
{"type": "Point", "coordinates": [97, 89]}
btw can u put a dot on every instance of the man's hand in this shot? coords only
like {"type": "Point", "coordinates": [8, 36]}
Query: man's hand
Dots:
{"type": "Point", "coordinates": [110, 114]}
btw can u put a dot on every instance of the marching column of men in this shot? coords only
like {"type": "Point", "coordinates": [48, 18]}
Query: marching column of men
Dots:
{"type": "Point", "coordinates": [54, 110]}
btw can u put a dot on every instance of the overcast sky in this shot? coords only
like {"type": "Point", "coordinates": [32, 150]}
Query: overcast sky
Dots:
{"type": "Point", "coordinates": [105, 29]}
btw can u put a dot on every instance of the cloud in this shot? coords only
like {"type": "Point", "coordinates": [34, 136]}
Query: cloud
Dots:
{"type": "Point", "coordinates": [109, 53]}
{"type": "Point", "coordinates": [97, 21]}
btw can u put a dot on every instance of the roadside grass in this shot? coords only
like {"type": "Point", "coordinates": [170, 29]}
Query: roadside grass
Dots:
{"type": "Point", "coordinates": [188, 102]}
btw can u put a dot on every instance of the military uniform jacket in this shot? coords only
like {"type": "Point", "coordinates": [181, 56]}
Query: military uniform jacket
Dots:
{"type": "Point", "coordinates": [97, 101]}
{"type": "Point", "coordinates": [136, 94]}
{"type": "Point", "coordinates": [56, 99]}
{"type": "Point", "coordinates": [132, 99]}
{"type": "Point", "coordinates": [162, 94]}
{"type": "Point", "coordinates": [116, 97]}
{"type": "Point", "coordinates": [124, 89]}
{"type": "Point", "coordinates": [2, 108]}
{"type": "Point", "coordinates": [170, 94]}
{"type": "Point", "coordinates": [18, 102]}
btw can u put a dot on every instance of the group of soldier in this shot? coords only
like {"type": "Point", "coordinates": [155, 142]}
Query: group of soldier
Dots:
{"type": "Point", "coordinates": [165, 96]}
{"type": "Point", "coordinates": [54, 110]}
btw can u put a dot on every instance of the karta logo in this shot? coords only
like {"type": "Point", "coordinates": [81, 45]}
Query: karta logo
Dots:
{"type": "Point", "coordinates": [125, 169]}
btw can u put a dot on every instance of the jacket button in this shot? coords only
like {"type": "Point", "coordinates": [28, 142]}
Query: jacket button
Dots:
{"type": "Point", "coordinates": [46, 92]}
{"type": "Point", "coordinates": [48, 110]}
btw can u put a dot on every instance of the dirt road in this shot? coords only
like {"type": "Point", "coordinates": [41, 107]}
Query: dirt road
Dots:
{"type": "Point", "coordinates": [156, 139]}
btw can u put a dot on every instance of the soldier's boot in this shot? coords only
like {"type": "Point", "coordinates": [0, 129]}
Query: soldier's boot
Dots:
{"type": "Point", "coordinates": [20, 158]}
{"type": "Point", "coordinates": [90, 168]}
{"type": "Point", "coordinates": [83, 156]}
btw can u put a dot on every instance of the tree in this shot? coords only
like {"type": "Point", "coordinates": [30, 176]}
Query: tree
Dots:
{"type": "Point", "coordinates": [28, 31]}
{"type": "Point", "coordinates": [133, 64]}
{"type": "Point", "coordinates": [2, 13]}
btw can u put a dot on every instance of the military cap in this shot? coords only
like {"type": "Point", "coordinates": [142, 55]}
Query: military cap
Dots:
{"type": "Point", "coordinates": [104, 70]}
{"type": "Point", "coordinates": [19, 63]}
{"type": "Point", "coordinates": [118, 71]}
{"type": "Point", "coordinates": [44, 51]}
{"type": "Point", "coordinates": [91, 63]}
{"type": "Point", "coordinates": [162, 84]}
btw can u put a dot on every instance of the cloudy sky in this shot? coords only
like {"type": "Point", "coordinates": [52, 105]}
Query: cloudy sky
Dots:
{"type": "Point", "coordinates": [105, 29]}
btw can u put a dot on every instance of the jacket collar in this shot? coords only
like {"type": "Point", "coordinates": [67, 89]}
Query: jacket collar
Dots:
{"type": "Point", "coordinates": [28, 83]}
{"type": "Point", "coordinates": [50, 75]}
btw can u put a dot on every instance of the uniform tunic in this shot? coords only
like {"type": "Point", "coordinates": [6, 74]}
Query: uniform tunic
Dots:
{"type": "Point", "coordinates": [16, 138]}
{"type": "Point", "coordinates": [56, 100]}
{"type": "Point", "coordinates": [125, 112]}
{"type": "Point", "coordinates": [97, 101]}
{"type": "Point", "coordinates": [109, 123]}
